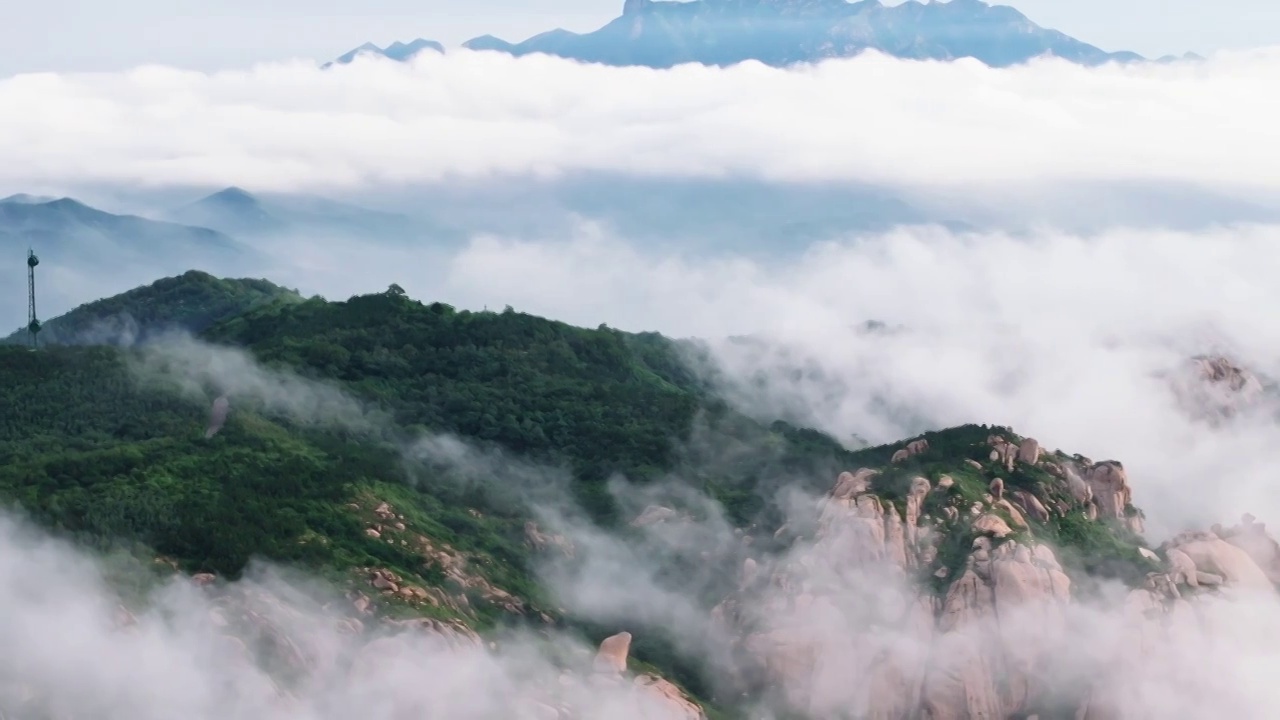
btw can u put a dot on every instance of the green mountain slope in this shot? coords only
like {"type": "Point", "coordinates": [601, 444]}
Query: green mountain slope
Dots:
{"type": "Point", "coordinates": [108, 445]}
{"type": "Point", "coordinates": [192, 301]}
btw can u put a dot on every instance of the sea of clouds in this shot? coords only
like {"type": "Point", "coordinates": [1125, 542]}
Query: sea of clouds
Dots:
{"type": "Point", "coordinates": [1061, 335]}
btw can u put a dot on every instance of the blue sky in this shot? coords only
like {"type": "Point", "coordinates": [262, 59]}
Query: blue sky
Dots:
{"type": "Point", "coordinates": [82, 35]}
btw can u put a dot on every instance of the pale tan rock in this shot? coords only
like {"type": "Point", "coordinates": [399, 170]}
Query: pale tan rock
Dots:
{"type": "Point", "coordinates": [997, 489]}
{"type": "Point", "coordinates": [852, 484]}
{"type": "Point", "coordinates": [1111, 493]}
{"type": "Point", "coordinates": [1029, 451]}
{"type": "Point", "coordinates": [1252, 537]}
{"type": "Point", "coordinates": [913, 448]}
{"type": "Point", "coordinates": [916, 495]}
{"type": "Point", "coordinates": [1015, 515]}
{"type": "Point", "coordinates": [1030, 505]}
{"type": "Point", "coordinates": [669, 701]}
{"type": "Point", "coordinates": [653, 515]}
{"type": "Point", "coordinates": [612, 655]}
{"type": "Point", "coordinates": [992, 524]}
{"type": "Point", "coordinates": [983, 667]}
{"type": "Point", "coordinates": [1215, 555]}
{"type": "Point", "coordinates": [540, 540]}
{"type": "Point", "coordinates": [1215, 388]}
{"type": "Point", "coordinates": [750, 571]}
{"type": "Point", "coordinates": [1080, 490]}
{"type": "Point", "coordinates": [1182, 569]}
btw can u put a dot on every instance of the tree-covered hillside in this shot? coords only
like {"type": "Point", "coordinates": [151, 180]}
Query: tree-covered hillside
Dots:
{"type": "Point", "coordinates": [193, 301]}
{"type": "Point", "coordinates": [97, 442]}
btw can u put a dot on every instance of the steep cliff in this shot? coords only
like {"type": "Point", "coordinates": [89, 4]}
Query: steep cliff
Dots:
{"type": "Point", "coordinates": [975, 585]}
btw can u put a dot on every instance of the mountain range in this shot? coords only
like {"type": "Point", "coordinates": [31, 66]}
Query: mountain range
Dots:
{"type": "Point", "coordinates": [64, 228]}
{"type": "Point", "coordinates": [664, 33]}
{"type": "Point", "coordinates": [478, 479]}
{"type": "Point", "coordinates": [237, 212]}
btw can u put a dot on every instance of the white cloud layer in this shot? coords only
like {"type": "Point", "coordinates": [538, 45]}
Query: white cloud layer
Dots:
{"type": "Point", "coordinates": [1060, 336]}
{"type": "Point", "coordinates": [465, 114]}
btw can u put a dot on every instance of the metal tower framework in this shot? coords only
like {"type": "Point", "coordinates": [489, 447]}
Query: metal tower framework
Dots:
{"type": "Point", "coordinates": [33, 324]}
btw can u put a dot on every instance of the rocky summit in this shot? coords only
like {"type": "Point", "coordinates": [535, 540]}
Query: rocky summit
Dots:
{"type": "Point", "coordinates": [664, 33]}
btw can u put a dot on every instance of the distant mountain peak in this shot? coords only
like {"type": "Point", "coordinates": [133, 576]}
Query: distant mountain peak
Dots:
{"type": "Point", "coordinates": [233, 194]}
{"type": "Point", "coordinates": [396, 51]}
{"type": "Point", "coordinates": [26, 199]}
{"type": "Point", "coordinates": [663, 33]}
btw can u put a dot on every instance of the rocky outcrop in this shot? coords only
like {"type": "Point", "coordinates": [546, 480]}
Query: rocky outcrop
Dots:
{"type": "Point", "coordinates": [880, 615]}
{"type": "Point", "coordinates": [846, 628]}
{"type": "Point", "coordinates": [1029, 451]}
{"type": "Point", "coordinates": [654, 515]}
{"type": "Point", "coordinates": [1215, 388]}
{"type": "Point", "coordinates": [542, 541]}
{"type": "Point", "coordinates": [913, 448]}
{"type": "Point", "coordinates": [1171, 626]}
{"type": "Point", "coordinates": [1104, 490]}
{"type": "Point", "coordinates": [654, 697]}
{"type": "Point", "coordinates": [612, 655]}
{"type": "Point", "coordinates": [387, 525]}
{"type": "Point", "coordinates": [1000, 619]}
{"type": "Point", "coordinates": [1251, 537]}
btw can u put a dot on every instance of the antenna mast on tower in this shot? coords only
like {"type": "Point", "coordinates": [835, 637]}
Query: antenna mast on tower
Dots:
{"type": "Point", "coordinates": [33, 324]}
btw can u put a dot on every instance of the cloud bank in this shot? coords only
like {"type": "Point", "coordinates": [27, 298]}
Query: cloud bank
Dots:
{"type": "Point", "coordinates": [468, 115]}
{"type": "Point", "coordinates": [1061, 336]}
{"type": "Point", "coordinates": [273, 645]}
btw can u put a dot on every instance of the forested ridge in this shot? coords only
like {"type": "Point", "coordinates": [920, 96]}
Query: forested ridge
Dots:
{"type": "Point", "coordinates": [94, 449]}
{"type": "Point", "coordinates": [192, 301]}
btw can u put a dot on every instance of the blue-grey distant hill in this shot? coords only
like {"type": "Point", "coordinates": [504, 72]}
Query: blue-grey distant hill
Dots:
{"type": "Point", "coordinates": [237, 212]}
{"type": "Point", "coordinates": [86, 252]}
{"type": "Point", "coordinates": [664, 33]}
{"type": "Point", "coordinates": [67, 229]}
{"type": "Point", "coordinates": [395, 51]}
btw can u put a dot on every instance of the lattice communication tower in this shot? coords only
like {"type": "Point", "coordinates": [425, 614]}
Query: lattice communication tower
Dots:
{"type": "Point", "coordinates": [33, 323]}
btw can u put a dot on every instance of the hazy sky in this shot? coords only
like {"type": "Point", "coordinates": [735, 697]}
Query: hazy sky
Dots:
{"type": "Point", "coordinates": [83, 35]}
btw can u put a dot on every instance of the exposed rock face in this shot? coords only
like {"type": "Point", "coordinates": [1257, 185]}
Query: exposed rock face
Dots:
{"type": "Point", "coordinates": [1251, 537]}
{"type": "Point", "coordinates": [387, 525]}
{"type": "Point", "coordinates": [846, 626]}
{"type": "Point", "coordinates": [1029, 451]}
{"type": "Point", "coordinates": [999, 620]}
{"type": "Point", "coordinates": [544, 541]}
{"type": "Point", "coordinates": [992, 525]}
{"type": "Point", "coordinates": [1215, 388]}
{"type": "Point", "coordinates": [1213, 556]}
{"type": "Point", "coordinates": [913, 448]}
{"type": "Point", "coordinates": [655, 697]}
{"type": "Point", "coordinates": [1204, 603]}
{"type": "Point", "coordinates": [612, 656]}
{"type": "Point", "coordinates": [1031, 505]}
{"type": "Point", "coordinates": [1105, 490]}
{"type": "Point", "coordinates": [655, 514]}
